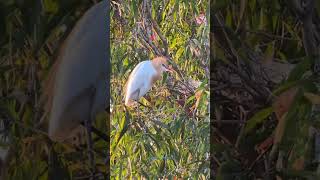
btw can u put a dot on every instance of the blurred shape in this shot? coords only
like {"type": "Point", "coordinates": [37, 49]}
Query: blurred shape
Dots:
{"type": "Point", "coordinates": [283, 102]}
{"type": "Point", "coordinates": [201, 19]}
{"type": "Point", "coordinates": [76, 87]}
{"type": "Point", "coordinates": [277, 71]}
{"type": "Point", "coordinates": [313, 98]}
{"type": "Point", "coordinates": [153, 37]}
{"type": "Point", "coordinates": [4, 149]}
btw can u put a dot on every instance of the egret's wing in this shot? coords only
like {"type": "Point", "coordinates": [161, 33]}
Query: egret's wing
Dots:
{"type": "Point", "coordinates": [146, 77]}
{"type": "Point", "coordinates": [133, 76]}
{"type": "Point", "coordinates": [140, 78]}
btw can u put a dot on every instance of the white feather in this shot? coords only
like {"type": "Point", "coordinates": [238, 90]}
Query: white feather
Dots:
{"type": "Point", "coordinates": [140, 79]}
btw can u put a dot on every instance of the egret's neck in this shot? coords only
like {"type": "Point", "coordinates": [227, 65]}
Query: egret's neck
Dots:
{"type": "Point", "coordinates": [157, 67]}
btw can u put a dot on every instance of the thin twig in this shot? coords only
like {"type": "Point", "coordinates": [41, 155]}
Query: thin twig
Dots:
{"type": "Point", "coordinates": [163, 39]}
{"type": "Point", "coordinates": [258, 158]}
{"type": "Point", "coordinates": [226, 121]}
{"type": "Point", "coordinates": [98, 133]}
{"type": "Point", "coordinates": [142, 33]}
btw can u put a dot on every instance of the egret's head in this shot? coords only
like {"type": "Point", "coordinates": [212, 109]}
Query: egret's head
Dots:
{"type": "Point", "coordinates": [161, 64]}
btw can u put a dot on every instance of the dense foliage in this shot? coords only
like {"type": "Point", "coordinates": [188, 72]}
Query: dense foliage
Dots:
{"type": "Point", "coordinates": [170, 138]}
{"type": "Point", "coordinates": [31, 34]}
{"type": "Point", "coordinates": [265, 124]}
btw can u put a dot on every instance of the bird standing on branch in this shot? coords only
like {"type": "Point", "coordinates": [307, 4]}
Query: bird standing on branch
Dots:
{"type": "Point", "coordinates": [143, 76]}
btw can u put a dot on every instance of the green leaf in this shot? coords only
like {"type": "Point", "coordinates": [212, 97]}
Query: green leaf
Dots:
{"type": "Point", "coordinates": [51, 6]}
{"type": "Point", "coordinates": [229, 19]}
{"type": "Point", "coordinates": [285, 86]}
{"type": "Point", "coordinates": [258, 118]}
{"type": "Point", "coordinates": [125, 62]}
{"type": "Point", "coordinates": [124, 126]}
{"type": "Point", "coordinates": [268, 54]}
{"type": "Point", "coordinates": [274, 21]}
{"type": "Point", "coordinates": [282, 55]}
{"type": "Point", "coordinates": [190, 99]}
{"type": "Point", "coordinates": [296, 118]}
{"type": "Point", "coordinates": [134, 9]}
{"type": "Point", "coordinates": [179, 52]}
{"type": "Point", "coordinates": [299, 70]}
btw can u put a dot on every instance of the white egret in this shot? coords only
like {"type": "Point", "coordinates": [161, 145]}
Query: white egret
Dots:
{"type": "Point", "coordinates": [143, 76]}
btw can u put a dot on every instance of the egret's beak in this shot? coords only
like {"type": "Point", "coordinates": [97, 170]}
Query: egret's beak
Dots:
{"type": "Point", "coordinates": [168, 68]}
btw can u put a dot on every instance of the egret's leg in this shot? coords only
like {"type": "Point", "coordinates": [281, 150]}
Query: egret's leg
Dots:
{"type": "Point", "coordinates": [138, 104]}
{"type": "Point", "coordinates": [97, 132]}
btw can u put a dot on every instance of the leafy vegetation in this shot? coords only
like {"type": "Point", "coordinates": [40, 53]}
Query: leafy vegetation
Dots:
{"type": "Point", "coordinates": [32, 32]}
{"type": "Point", "coordinates": [170, 138]}
{"type": "Point", "coordinates": [265, 57]}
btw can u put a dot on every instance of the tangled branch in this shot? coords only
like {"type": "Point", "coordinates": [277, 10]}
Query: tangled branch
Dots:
{"type": "Point", "coordinates": [144, 32]}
